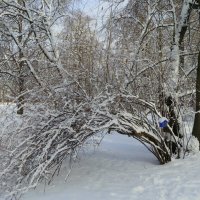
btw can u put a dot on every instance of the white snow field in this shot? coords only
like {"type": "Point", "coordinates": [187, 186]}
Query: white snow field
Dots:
{"type": "Point", "coordinates": [122, 169]}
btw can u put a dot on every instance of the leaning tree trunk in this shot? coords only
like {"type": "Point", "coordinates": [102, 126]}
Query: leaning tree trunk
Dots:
{"type": "Point", "coordinates": [196, 127]}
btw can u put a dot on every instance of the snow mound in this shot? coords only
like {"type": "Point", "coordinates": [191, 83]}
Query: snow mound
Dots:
{"type": "Point", "coordinates": [193, 145]}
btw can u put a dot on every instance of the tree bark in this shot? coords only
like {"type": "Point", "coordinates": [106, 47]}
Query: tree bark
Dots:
{"type": "Point", "coordinates": [196, 127]}
{"type": "Point", "coordinates": [20, 99]}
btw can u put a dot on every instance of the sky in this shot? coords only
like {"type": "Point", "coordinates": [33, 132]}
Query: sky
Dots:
{"type": "Point", "coordinates": [90, 7]}
{"type": "Point", "coordinates": [99, 9]}
{"type": "Point", "coordinates": [96, 9]}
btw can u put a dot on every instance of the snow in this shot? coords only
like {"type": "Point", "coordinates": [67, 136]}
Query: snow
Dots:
{"type": "Point", "coordinates": [121, 168]}
{"type": "Point", "coordinates": [193, 144]}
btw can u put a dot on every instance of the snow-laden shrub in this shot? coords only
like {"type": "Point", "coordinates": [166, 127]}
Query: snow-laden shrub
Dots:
{"type": "Point", "coordinates": [49, 136]}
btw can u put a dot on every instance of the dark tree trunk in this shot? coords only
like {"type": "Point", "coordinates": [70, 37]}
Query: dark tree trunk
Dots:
{"type": "Point", "coordinates": [196, 127]}
{"type": "Point", "coordinates": [20, 98]}
{"type": "Point", "coordinates": [20, 103]}
{"type": "Point", "coordinates": [174, 124]}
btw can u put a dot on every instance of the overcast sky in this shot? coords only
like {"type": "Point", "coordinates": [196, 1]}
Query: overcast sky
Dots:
{"type": "Point", "coordinates": [88, 6]}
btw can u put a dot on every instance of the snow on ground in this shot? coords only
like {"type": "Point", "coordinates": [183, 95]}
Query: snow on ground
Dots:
{"type": "Point", "coordinates": [122, 169]}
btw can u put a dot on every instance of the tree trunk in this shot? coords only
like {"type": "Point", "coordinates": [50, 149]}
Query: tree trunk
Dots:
{"type": "Point", "coordinates": [20, 103]}
{"type": "Point", "coordinates": [196, 127]}
{"type": "Point", "coordinates": [20, 98]}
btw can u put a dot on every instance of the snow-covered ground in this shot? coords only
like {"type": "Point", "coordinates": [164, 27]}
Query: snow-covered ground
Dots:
{"type": "Point", "coordinates": [122, 169]}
